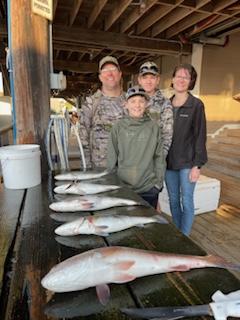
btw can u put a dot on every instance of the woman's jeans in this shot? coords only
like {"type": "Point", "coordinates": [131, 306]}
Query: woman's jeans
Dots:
{"type": "Point", "coordinates": [180, 192]}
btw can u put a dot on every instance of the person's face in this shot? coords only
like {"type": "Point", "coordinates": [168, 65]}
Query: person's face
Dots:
{"type": "Point", "coordinates": [110, 76]}
{"type": "Point", "coordinates": [149, 82]}
{"type": "Point", "coordinates": [136, 106]}
{"type": "Point", "coordinates": [181, 80]}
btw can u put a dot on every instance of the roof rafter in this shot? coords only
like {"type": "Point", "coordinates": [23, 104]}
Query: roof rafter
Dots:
{"type": "Point", "coordinates": [99, 4]}
{"type": "Point", "coordinates": [170, 19]}
{"type": "Point", "coordinates": [74, 11]}
{"type": "Point", "coordinates": [116, 13]}
{"type": "Point", "coordinates": [155, 16]}
{"type": "Point", "coordinates": [136, 14]}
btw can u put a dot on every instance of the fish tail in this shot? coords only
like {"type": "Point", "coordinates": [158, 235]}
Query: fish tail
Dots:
{"type": "Point", "coordinates": [217, 261]}
{"type": "Point", "coordinates": [160, 219]}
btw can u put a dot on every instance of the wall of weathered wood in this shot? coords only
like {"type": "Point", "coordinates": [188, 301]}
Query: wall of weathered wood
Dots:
{"type": "Point", "coordinates": [30, 56]}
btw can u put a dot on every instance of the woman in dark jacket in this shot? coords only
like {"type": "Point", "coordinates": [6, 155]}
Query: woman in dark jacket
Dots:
{"type": "Point", "coordinates": [188, 150]}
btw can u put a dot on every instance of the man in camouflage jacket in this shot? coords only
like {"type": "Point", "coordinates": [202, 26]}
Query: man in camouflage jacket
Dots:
{"type": "Point", "coordinates": [100, 111]}
{"type": "Point", "coordinates": [159, 108]}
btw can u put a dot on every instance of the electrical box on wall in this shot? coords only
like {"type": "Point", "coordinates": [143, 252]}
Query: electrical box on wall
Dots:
{"type": "Point", "coordinates": [58, 81]}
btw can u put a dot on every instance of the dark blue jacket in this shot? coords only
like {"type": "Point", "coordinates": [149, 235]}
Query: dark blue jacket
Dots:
{"type": "Point", "coordinates": [188, 147]}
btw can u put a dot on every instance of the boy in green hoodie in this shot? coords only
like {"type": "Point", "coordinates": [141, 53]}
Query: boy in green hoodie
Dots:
{"type": "Point", "coordinates": [135, 148]}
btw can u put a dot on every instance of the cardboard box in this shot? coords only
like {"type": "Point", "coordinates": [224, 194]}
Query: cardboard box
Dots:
{"type": "Point", "coordinates": [206, 196]}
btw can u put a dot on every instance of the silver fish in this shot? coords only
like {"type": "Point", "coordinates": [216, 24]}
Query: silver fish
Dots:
{"type": "Point", "coordinates": [90, 203]}
{"type": "Point", "coordinates": [103, 225]}
{"type": "Point", "coordinates": [101, 266]}
{"type": "Point", "coordinates": [83, 188]}
{"type": "Point", "coordinates": [80, 175]}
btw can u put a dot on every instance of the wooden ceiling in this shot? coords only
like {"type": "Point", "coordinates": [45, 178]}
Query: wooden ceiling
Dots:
{"type": "Point", "coordinates": [132, 30]}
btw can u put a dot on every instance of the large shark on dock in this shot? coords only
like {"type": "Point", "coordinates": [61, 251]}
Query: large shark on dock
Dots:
{"type": "Point", "coordinates": [99, 267]}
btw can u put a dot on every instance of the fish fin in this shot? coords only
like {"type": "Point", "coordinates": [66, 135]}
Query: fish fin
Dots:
{"type": "Point", "coordinates": [102, 234]}
{"type": "Point", "coordinates": [103, 293]}
{"type": "Point", "coordinates": [124, 265]}
{"type": "Point", "coordinates": [159, 219]}
{"type": "Point", "coordinates": [124, 277]}
{"type": "Point", "coordinates": [99, 231]}
{"type": "Point", "coordinates": [219, 262]}
{"type": "Point", "coordinates": [181, 267]}
{"type": "Point", "coordinates": [87, 205]}
{"type": "Point", "coordinates": [69, 186]}
{"type": "Point", "coordinates": [101, 227]}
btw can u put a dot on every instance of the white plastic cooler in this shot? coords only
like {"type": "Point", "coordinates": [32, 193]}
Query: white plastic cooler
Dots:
{"type": "Point", "coordinates": [206, 196]}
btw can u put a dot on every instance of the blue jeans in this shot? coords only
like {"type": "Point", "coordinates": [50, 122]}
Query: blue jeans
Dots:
{"type": "Point", "coordinates": [180, 192]}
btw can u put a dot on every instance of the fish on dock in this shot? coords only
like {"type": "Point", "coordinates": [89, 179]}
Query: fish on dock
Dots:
{"type": "Point", "coordinates": [81, 175]}
{"type": "Point", "coordinates": [103, 225]}
{"type": "Point", "coordinates": [91, 203]}
{"type": "Point", "coordinates": [101, 266]}
{"type": "Point", "coordinates": [82, 188]}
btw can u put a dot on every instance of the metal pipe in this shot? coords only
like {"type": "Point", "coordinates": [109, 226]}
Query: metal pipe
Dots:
{"type": "Point", "coordinates": [157, 39]}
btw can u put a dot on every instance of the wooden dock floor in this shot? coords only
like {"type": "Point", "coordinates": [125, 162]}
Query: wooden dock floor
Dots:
{"type": "Point", "coordinates": [218, 233]}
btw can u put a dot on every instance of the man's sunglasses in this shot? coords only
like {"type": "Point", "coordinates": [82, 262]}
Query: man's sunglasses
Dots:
{"type": "Point", "coordinates": [133, 90]}
{"type": "Point", "coordinates": [146, 69]}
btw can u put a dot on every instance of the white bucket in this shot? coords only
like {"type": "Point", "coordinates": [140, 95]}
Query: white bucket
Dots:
{"type": "Point", "coordinates": [21, 167]}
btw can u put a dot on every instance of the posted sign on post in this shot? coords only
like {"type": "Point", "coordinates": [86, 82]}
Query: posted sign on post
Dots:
{"type": "Point", "coordinates": [44, 8]}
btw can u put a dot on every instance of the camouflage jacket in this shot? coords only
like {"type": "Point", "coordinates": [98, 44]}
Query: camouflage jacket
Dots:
{"type": "Point", "coordinates": [160, 110]}
{"type": "Point", "coordinates": [97, 115]}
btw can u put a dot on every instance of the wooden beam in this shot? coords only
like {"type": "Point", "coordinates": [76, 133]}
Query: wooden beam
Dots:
{"type": "Point", "coordinates": [169, 20]}
{"type": "Point", "coordinates": [55, 4]}
{"type": "Point", "coordinates": [221, 4]}
{"type": "Point", "coordinates": [185, 24]}
{"type": "Point", "coordinates": [83, 67]}
{"type": "Point", "coordinates": [30, 57]}
{"type": "Point", "coordinates": [99, 4]}
{"type": "Point", "coordinates": [155, 16]}
{"type": "Point", "coordinates": [152, 18]}
{"type": "Point", "coordinates": [69, 55]}
{"type": "Point", "coordinates": [81, 56]}
{"type": "Point", "coordinates": [74, 11]}
{"type": "Point", "coordinates": [136, 14]}
{"type": "Point", "coordinates": [118, 41]}
{"type": "Point", "coordinates": [116, 12]}
{"type": "Point", "coordinates": [188, 21]}
{"type": "Point", "coordinates": [74, 47]}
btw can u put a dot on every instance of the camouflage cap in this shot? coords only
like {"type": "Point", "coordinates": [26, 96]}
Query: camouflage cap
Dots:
{"type": "Point", "coordinates": [108, 59]}
{"type": "Point", "coordinates": [148, 67]}
{"type": "Point", "coordinates": [136, 91]}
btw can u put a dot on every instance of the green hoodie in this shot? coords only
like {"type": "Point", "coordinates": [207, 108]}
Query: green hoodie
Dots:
{"type": "Point", "coordinates": [135, 149]}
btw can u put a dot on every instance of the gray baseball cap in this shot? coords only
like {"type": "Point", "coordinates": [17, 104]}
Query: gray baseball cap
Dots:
{"type": "Point", "coordinates": [108, 59]}
{"type": "Point", "coordinates": [136, 91]}
{"type": "Point", "coordinates": [148, 67]}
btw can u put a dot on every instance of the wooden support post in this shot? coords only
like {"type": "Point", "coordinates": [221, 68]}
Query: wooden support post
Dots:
{"type": "Point", "coordinates": [30, 57]}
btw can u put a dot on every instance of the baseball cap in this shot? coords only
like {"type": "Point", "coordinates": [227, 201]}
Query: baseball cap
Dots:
{"type": "Point", "coordinates": [108, 59]}
{"type": "Point", "coordinates": [148, 67]}
{"type": "Point", "coordinates": [136, 91]}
